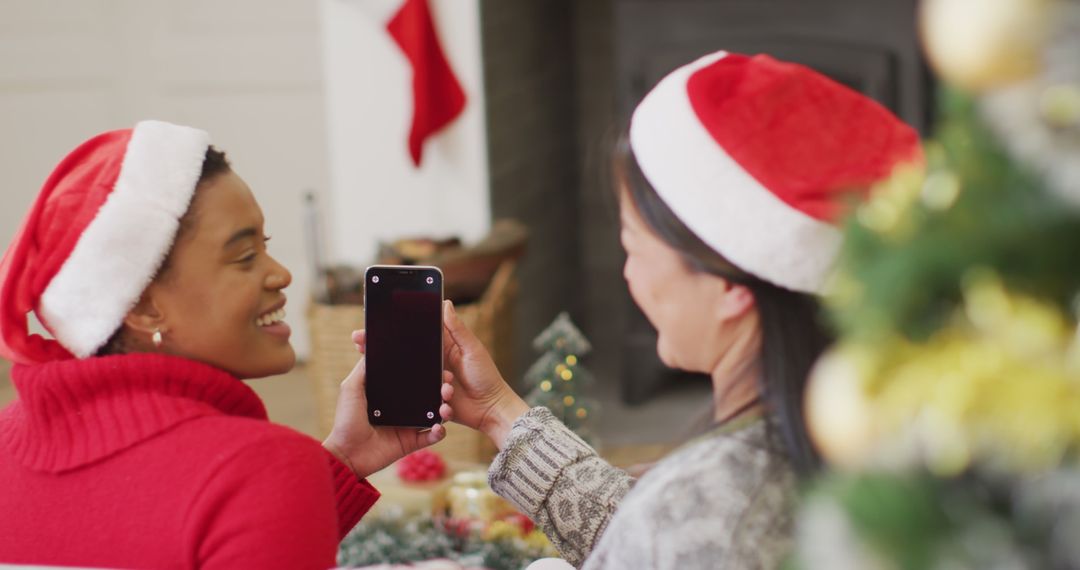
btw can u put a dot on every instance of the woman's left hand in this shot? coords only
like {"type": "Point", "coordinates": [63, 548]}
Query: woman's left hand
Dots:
{"type": "Point", "coordinates": [366, 448]}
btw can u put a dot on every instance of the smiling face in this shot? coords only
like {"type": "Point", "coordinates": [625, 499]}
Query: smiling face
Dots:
{"type": "Point", "coordinates": [692, 311]}
{"type": "Point", "coordinates": [220, 299]}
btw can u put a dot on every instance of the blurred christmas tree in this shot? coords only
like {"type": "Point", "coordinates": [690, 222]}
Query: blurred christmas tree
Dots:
{"type": "Point", "coordinates": [949, 411]}
{"type": "Point", "coordinates": [557, 378]}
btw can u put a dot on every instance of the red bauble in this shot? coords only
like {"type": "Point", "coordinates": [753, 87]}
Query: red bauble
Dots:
{"type": "Point", "coordinates": [523, 522]}
{"type": "Point", "coordinates": [420, 466]}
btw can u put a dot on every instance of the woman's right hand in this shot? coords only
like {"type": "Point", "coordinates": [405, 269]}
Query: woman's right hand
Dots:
{"type": "Point", "coordinates": [482, 400]}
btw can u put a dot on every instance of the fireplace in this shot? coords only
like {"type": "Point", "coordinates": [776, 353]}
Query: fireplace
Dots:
{"type": "Point", "coordinates": [560, 79]}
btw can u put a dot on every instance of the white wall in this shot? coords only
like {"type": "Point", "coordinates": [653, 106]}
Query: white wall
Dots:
{"type": "Point", "coordinates": [375, 191]}
{"type": "Point", "coordinates": [247, 71]}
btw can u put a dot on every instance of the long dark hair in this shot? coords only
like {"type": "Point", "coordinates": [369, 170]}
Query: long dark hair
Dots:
{"type": "Point", "coordinates": [792, 332]}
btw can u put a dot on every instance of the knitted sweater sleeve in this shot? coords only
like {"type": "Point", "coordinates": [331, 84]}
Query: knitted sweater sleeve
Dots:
{"type": "Point", "coordinates": [353, 496]}
{"type": "Point", "coordinates": [273, 503]}
{"type": "Point", "coordinates": [560, 482]}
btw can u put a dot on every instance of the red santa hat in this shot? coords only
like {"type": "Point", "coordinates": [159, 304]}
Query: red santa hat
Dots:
{"type": "Point", "coordinates": [95, 237]}
{"type": "Point", "coordinates": [758, 157]}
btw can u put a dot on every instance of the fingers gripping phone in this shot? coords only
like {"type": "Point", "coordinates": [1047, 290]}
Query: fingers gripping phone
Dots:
{"type": "Point", "coordinates": [403, 319]}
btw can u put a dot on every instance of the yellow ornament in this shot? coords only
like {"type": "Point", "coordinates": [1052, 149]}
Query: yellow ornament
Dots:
{"type": "Point", "coordinates": [940, 190]}
{"type": "Point", "coordinates": [997, 386]}
{"type": "Point", "coordinates": [839, 413]}
{"type": "Point", "coordinates": [968, 396]}
{"type": "Point", "coordinates": [891, 199]}
{"type": "Point", "coordinates": [982, 44]}
{"type": "Point", "coordinates": [469, 497]}
{"type": "Point", "coordinates": [1060, 105]}
{"type": "Point", "coordinates": [502, 530]}
{"type": "Point", "coordinates": [539, 541]}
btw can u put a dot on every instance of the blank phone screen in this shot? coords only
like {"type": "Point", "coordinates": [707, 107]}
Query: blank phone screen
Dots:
{"type": "Point", "coordinates": [403, 318]}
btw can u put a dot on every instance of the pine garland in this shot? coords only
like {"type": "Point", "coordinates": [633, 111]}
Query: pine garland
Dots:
{"type": "Point", "coordinates": [392, 538]}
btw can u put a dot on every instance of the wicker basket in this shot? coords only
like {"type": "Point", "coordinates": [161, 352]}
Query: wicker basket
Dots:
{"type": "Point", "coordinates": [333, 355]}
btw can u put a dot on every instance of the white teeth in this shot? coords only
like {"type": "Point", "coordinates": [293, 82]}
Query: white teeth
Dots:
{"type": "Point", "coordinates": [271, 318]}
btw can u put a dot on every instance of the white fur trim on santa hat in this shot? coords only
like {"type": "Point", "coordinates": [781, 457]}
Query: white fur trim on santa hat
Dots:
{"type": "Point", "coordinates": [123, 247]}
{"type": "Point", "coordinates": [719, 201]}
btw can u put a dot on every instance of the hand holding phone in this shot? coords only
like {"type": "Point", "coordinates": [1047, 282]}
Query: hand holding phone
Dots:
{"type": "Point", "coordinates": [365, 448]}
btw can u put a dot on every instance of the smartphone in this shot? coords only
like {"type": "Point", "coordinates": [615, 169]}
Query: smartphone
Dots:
{"type": "Point", "coordinates": [403, 319]}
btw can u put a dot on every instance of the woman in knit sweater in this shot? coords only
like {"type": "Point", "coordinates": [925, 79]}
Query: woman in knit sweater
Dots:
{"type": "Point", "coordinates": [733, 170]}
{"type": "Point", "coordinates": [133, 443]}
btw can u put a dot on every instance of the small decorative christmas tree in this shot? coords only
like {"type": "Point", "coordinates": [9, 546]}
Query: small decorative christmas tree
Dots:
{"type": "Point", "coordinates": [557, 378]}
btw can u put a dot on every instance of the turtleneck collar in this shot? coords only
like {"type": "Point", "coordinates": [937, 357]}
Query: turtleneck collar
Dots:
{"type": "Point", "coordinates": [73, 412]}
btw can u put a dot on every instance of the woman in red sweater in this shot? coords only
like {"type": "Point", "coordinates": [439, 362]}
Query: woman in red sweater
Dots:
{"type": "Point", "coordinates": [133, 443]}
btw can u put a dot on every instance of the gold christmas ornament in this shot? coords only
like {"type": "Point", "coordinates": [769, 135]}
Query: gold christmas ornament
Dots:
{"type": "Point", "coordinates": [839, 413]}
{"type": "Point", "coordinates": [940, 190]}
{"type": "Point", "coordinates": [982, 44]}
{"type": "Point", "coordinates": [996, 386]}
{"type": "Point", "coordinates": [886, 211]}
{"type": "Point", "coordinates": [469, 497]}
{"type": "Point", "coordinates": [1060, 105]}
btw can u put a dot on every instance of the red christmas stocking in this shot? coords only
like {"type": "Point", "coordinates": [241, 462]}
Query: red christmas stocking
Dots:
{"type": "Point", "coordinates": [437, 96]}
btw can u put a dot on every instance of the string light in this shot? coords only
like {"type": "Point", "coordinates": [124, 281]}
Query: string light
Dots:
{"type": "Point", "coordinates": [546, 385]}
{"type": "Point", "coordinates": [571, 360]}
{"type": "Point", "coordinates": [568, 401]}
{"type": "Point", "coordinates": [581, 413]}
{"type": "Point", "coordinates": [567, 375]}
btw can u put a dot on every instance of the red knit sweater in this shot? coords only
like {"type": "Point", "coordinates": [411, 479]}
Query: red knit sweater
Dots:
{"type": "Point", "coordinates": [151, 461]}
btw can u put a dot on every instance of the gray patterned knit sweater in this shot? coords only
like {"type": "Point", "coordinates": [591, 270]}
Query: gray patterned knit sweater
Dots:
{"type": "Point", "coordinates": [722, 501]}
